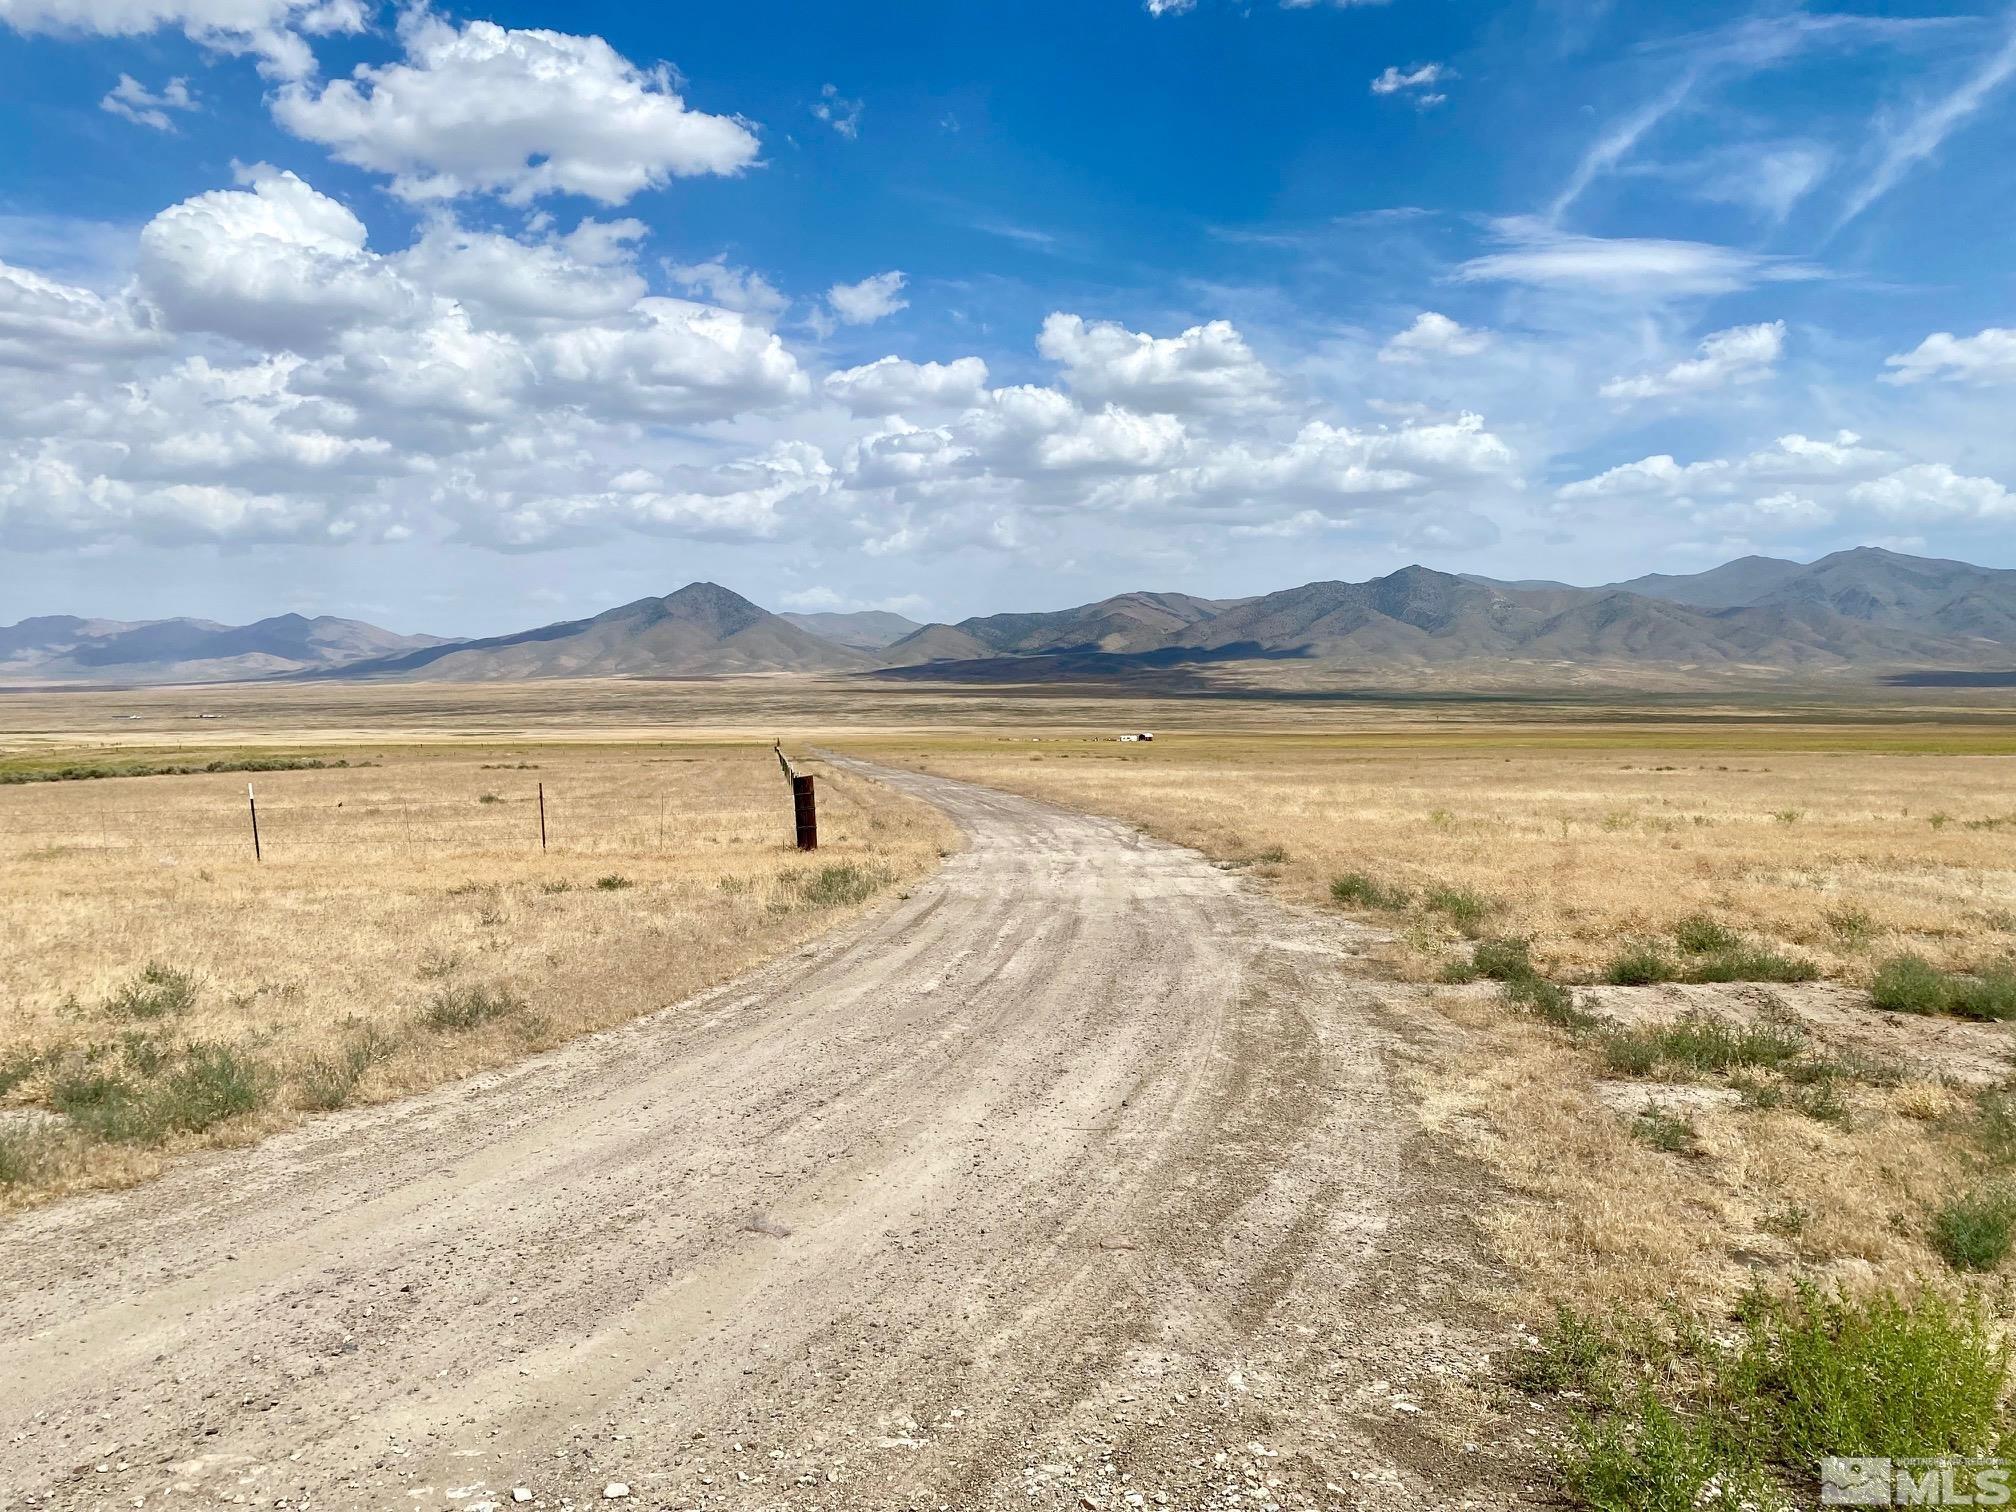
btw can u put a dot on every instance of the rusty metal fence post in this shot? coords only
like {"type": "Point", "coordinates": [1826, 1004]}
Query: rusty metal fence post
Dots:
{"type": "Point", "coordinates": [804, 802]}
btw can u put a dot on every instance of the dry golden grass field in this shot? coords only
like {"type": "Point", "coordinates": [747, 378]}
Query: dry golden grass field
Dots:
{"type": "Point", "coordinates": [1850, 844]}
{"type": "Point", "coordinates": [166, 991]}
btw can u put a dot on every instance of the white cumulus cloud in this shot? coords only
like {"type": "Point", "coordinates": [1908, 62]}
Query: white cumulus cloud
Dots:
{"type": "Point", "coordinates": [1801, 482]}
{"type": "Point", "coordinates": [870, 300]}
{"type": "Point", "coordinates": [1206, 368]}
{"type": "Point", "coordinates": [721, 283]}
{"type": "Point", "coordinates": [270, 30]}
{"type": "Point", "coordinates": [1741, 354]}
{"type": "Point", "coordinates": [521, 113]}
{"type": "Point", "coordinates": [1933, 493]}
{"type": "Point", "coordinates": [1433, 335]}
{"type": "Point", "coordinates": [49, 325]}
{"type": "Point", "coordinates": [1986, 357]}
{"type": "Point", "coordinates": [890, 385]}
{"type": "Point", "coordinates": [274, 264]}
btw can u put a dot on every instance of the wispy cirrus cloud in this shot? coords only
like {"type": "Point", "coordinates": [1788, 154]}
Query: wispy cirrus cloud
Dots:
{"type": "Point", "coordinates": [1905, 143]}
{"type": "Point", "coordinates": [1692, 64]}
{"type": "Point", "coordinates": [1536, 253]}
{"type": "Point", "coordinates": [1620, 139]}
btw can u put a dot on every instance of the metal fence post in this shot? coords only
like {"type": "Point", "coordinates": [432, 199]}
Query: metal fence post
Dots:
{"type": "Point", "coordinates": [804, 803]}
{"type": "Point", "coordinates": [252, 802]}
{"type": "Point", "coordinates": [542, 818]}
{"type": "Point", "coordinates": [806, 810]}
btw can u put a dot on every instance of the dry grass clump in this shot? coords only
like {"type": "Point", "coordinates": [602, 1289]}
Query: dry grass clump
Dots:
{"type": "Point", "coordinates": [161, 991]}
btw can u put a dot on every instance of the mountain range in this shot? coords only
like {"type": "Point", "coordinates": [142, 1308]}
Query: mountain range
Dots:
{"type": "Point", "coordinates": [864, 630]}
{"type": "Point", "coordinates": [63, 648]}
{"type": "Point", "coordinates": [1862, 609]}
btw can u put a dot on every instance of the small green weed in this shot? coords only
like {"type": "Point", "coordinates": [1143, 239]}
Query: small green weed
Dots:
{"type": "Point", "coordinates": [1463, 907]}
{"type": "Point", "coordinates": [213, 1083]}
{"type": "Point", "coordinates": [1816, 1375]}
{"type": "Point", "coordinates": [1639, 966]}
{"type": "Point", "coordinates": [1731, 1425]}
{"type": "Point", "coordinates": [1974, 1232]}
{"type": "Point", "coordinates": [1993, 1126]}
{"type": "Point", "coordinates": [1550, 1003]}
{"type": "Point", "coordinates": [1503, 960]}
{"type": "Point", "coordinates": [1911, 984]}
{"type": "Point", "coordinates": [1824, 1100]}
{"type": "Point", "coordinates": [1653, 1459]}
{"type": "Point", "coordinates": [457, 1009]}
{"type": "Point", "coordinates": [1703, 1042]}
{"type": "Point", "coordinates": [105, 1107]}
{"type": "Point", "coordinates": [327, 1082]}
{"type": "Point", "coordinates": [1697, 934]}
{"type": "Point", "coordinates": [1751, 963]}
{"type": "Point", "coordinates": [1356, 890]}
{"type": "Point", "coordinates": [837, 886]}
{"type": "Point", "coordinates": [1572, 1355]}
{"type": "Point", "coordinates": [157, 992]}
{"type": "Point", "coordinates": [1666, 1131]}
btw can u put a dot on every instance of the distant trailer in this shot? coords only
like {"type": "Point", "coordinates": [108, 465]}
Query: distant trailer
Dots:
{"type": "Point", "coordinates": [1132, 739]}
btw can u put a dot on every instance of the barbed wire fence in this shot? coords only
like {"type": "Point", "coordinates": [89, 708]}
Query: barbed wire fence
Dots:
{"type": "Point", "coordinates": [542, 818]}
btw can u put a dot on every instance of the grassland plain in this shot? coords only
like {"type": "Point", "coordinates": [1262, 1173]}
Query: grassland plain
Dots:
{"type": "Point", "coordinates": [1676, 1159]}
{"type": "Point", "coordinates": [1584, 893]}
{"type": "Point", "coordinates": [165, 991]}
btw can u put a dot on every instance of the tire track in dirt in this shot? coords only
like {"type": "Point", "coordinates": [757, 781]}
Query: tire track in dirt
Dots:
{"type": "Point", "coordinates": [1003, 1197]}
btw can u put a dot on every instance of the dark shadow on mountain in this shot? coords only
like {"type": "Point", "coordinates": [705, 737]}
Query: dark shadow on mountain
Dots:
{"type": "Point", "coordinates": [1984, 679]}
{"type": "Point", "coordinates": [1091, 665]}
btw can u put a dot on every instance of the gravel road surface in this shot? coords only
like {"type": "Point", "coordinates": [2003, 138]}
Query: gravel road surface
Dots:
{"type": "Point", "coordinates": [1074, 1178]}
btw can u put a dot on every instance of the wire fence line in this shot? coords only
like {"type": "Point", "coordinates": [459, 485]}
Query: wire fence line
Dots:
{"type": "Point", "coordinates": [597, 825]}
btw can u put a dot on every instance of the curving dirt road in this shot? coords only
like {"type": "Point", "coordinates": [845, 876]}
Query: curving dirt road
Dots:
{"type": "Point", "coordinates": [1073, 1179]}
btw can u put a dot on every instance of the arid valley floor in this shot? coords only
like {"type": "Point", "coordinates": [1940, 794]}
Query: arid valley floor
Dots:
{"type": "Point", "coordinates": [1360, 1101]}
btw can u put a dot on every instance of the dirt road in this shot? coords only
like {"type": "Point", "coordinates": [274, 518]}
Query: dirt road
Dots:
{"type": "Point", "coordinates": [1073, 1178]}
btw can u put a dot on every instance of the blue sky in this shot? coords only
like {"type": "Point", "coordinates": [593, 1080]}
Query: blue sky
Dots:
{"type": "Point", "coordinates": [464, 319]}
